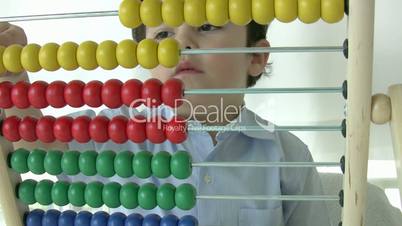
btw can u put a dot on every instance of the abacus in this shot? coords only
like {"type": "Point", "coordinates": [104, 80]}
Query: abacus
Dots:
{"type": "Point", "coordinates": [128, 54]}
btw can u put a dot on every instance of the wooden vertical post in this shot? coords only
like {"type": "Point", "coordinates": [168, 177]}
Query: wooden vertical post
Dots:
{"type": "Point", "coordinates": [395, 94]}
{"type": "Point", "coordinates": [13, 210]}
{"type": "Point", "coordinates": [359, 76]}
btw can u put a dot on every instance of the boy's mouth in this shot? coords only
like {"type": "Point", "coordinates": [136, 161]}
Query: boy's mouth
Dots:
{"type": "Point", "coordinates": [186, 68]}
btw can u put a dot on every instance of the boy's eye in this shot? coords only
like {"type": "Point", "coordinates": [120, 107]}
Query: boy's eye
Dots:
{"type": "Point", "coordinates": [208, 27]}
{"type": "Point", "coordinates": [162, 35]}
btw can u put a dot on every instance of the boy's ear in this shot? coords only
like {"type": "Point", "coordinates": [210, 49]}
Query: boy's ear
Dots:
{"type": "Point", "coordinates": [258, 60]}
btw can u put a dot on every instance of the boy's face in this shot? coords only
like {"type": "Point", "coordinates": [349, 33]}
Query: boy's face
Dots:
{"type": "Point", "coordinates": [211, 70]}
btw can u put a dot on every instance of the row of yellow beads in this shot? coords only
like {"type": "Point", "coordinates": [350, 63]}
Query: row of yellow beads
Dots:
{"type": "Point", "coordinates": [152, 13]}
{"type": "Point", "coordinates": [89, 55]}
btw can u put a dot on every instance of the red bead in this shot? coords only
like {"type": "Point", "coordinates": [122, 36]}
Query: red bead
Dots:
{"type": "Point", "coordinates": [172, 92]}
{"type": "Point", "coordinates": [155, 130]}
{"type": "Point", "coordinates": [136, 129]}
{"type": "Point", "coordinates": [62, 129]}
{"type": "Point", "coordinates": [131, 93]}
{"type": "Point", "coordinates": [19, 95]}
{"type": "Point", "coordinates": [5, 94]}
{"type": "Point", "coordinates": [37, 94]}
{"type": "Point", "coordinates": [27, 129]}
{"type": "Point", "coordinates": [117, 129]}
{"type": "Point", "coordinates": [55, 94]}
{"type": "Point", "coordinates": [176, 130]}
{"type": "Point", "coordinates": [80, 129]}
{"type": "Point", "coordinates": [92, 94]}
{"type": "Point", "coordinates": [10, 128]}
{"type": "Point", "coordinates": [111, 92]}
{"type": "Point", "coordinates": [44, 129]}
{"type": "Point", "coordinates": [98, 129]}
{"type": "Point", "coordinates": [151, 92]}
{"type": "Point", "coordinates": [73, 93]}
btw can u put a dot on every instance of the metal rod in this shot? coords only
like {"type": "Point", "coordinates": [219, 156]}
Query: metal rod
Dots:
{"type": "Point", "coordinates": [271, 197]}
{"type": "Point", "coordinates": [263, 50]}
{"type": "Point", "coordinates": [56, 16]}
{"type": "Point", "coordinates": [266, 164]}
{"type": "Point", "coordinates": [264, 90]}
{"type": "Point", "coordinates": [265, 128]}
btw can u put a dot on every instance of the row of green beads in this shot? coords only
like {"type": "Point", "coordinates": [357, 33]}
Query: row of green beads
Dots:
{"type": "Point", "coordinates": [107, 163]}
{"type": "Point", "coordinates": [113, 195]}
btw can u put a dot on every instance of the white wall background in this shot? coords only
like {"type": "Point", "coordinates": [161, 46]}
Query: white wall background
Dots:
{"type": "Point", "coordinates": [289, 70]}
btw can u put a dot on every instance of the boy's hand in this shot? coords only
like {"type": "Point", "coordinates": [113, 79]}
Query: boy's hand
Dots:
{"type": "Point", "coordinates": [11, 34]}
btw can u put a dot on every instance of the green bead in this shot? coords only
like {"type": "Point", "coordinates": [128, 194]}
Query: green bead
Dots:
{"type": "Point", "coordinates": [43, 192]}
{"type": "Point", "coordinates": [26, 192]}
{"type": "Point", "coordinates": [147, 196]}
{"type": "Point", "coordinates": [36, 160]}
{"type": "Point", "coordinates": [185, 196]}
{"type": "Point", "coordinates": [93, 194]}
{"type": "Point", "coordinates": [180, 165]}
{"type": "Point", "coordinates": [52, 162]}
{"type": "Point", "coordinates": [161, 164]}
{"type": "Point", "coordinates": [105, 164]}
{"type": "Point", "coordinates": [60, 193]}
{"type": "Point", "coordinates": [165, 196]}
{"type": "Point", "coordinates": [111, 195]}
{"type": "Point", "coordinates": [69, 162]}
{"type": "Point", "coordinates": [76, 194]}
{"type": "Point", "coordinates": [19, 160]}
{"type": "Point", "coordinates": [129, 195]}
{"type": "Point", "coordinates": [123, 164]}
{"type": "Point", "coordinates": [87, 163]}
{"type": "Point", "coordinates": [142, 164]}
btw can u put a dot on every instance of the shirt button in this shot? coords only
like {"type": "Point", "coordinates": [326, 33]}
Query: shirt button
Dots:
{"type": "Point", "coordinates": [207, 179]}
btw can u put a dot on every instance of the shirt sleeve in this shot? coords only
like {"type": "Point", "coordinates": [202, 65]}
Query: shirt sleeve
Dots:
{"type": "Point", "coordinates": [301, 181]}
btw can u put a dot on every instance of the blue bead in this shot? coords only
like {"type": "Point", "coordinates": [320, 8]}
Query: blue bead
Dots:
{"type": "Point", "coordinates": [83, 218]}
{"type": "Point", "coordinates": [34, 218]}
{"type": "Point", "coordinates": [67, 218]}
{"type": "Point", "coordinates": [100, 219]}
{"type": "Point", "coordinates": [169, 220]}
{"type": "Point", "coordinates": [134, 219]}
{"type": "Point", "coordinates": [51, 218]}
{"type": "Point", "coordinates": [151, 220]}
{"type": "Point", "coordinates": [188, 220]}
{"type": "Point", "coordinates": [117, 219]}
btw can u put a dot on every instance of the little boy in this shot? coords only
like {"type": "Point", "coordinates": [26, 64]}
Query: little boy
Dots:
{"type": "Point", "coordinates": [221, 71]}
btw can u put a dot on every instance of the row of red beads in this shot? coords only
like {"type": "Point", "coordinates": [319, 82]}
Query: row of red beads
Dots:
{"type": "Point", "coordinates": [119, 129]}
{"type": "Point", "coordinates": [113, 93]}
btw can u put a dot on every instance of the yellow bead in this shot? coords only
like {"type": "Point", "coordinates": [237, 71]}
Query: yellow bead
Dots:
{"type": "Point", "coordinates": [217, 12]}
{"type": "Point", "coordinates": [12, 58]}
{"type": "Point", "coordinates": [147, 53]}
{"type": "Point", "coordinates": [286, 10]}
{"type": "Point", "coordinates": [67, 56]}
{"type": "Point", "coordinates": [240, 12]}
{"type": "Point", "coordinates": [195, 12]}
{"type": "Point", "coordinates": [129, 13]}
{"type": "Point", "coordinates": [48, 57]}
{"type": "Point", "coordinates": [106, 55]}
{"type": "Point", "coordinates": [168, 52]}
{"type": "Point", "coordinates": [309, 11]}
{"type": "Point", "coordinates": [172, 12]}
{"type": "Point", "coordinates": [150, 12]}
{"type": "Point", "coordinates": [332, 11]}
{"type": "Point", "coordinates": [2, 68]}
{"type": "Point", "coordinates": [263, 11]}
{"type": "Point", "coordinates": [126, 53]}
{"type": "Point", "coordinates": [86, 55]}
{"type": "Point", "coordinates": [30, 58]}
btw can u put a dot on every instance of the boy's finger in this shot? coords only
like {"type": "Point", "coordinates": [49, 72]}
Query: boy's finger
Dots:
{"type": "Point", "coordinates": [13, 35]}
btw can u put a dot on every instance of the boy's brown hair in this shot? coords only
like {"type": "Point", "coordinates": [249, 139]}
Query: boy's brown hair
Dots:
{"type": "Point", "coordinates": [255, 32]}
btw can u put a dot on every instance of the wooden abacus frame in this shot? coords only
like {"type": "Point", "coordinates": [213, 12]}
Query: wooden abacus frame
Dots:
{"type": "Point", "coordinates": [359, 103]}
